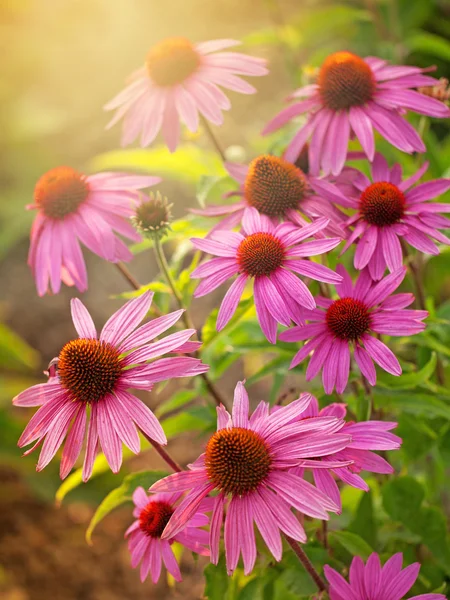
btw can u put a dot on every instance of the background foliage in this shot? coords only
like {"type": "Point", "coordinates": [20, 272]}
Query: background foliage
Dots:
{"type": "Point", "coordinates": [66, 59]}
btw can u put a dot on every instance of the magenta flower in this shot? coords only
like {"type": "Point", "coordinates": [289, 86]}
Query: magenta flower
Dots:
{"type": "Point", "coordinates": [354, 96]}
{"type": "Point", "coordinates": [179, 81]}
{"type": "Point", "coordinates": [94, 372]}
{"type": "Point", "coordinates": [268, 254]}
{"type": "Point", "coordinates": [280, 190]}
{"type": "Point", "coordinates": [389, 209]}
{"type": "Point", "coordinates": [145, 544]}
{"type": "Point", "coordinates": [362, 310]}
{"type": "Point", "coordinates": [373, 582]}
{"type": "Point", "coordinates": [247, 462]}
{"type": "Point", "coordinates": [367, 436]}
{"type": "Point", "coordinates": [75, 208]}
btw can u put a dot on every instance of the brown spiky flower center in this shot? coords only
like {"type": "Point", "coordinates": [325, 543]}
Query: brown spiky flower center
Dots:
{"type": "Point", "coordinates": [273, 186]}
{"type": "Point", "coordinates": [345, 80]}
{"type": "Point", "coordinates": [172, 61]}
{"type": "Point", "coordinates": [382, 203]}
{"type": "Point", "coordinates": [237, 460]}
{"type": "Point", "coordinates": [154, 518]}
{"type": "Point", "coordinates": [348, 318]}
{"type": "Point", "coordinates": [153, 216]}
{"type": "Point", "coordinates": [260, 254]}
{"type": "Point", "coordinates": [89, 369]}
{"type": "Point", "coordinates": [60, 191]}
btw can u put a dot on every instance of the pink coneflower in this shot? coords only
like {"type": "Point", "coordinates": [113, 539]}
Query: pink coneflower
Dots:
{"type": "Point", "coordinates": [354, 96]}
{"type": "Point", "coordinates": [247, 461]}
{"type": "Point", "coordinates": [268, 254]}
{"type": "Point", "coordinates": [362, 310]}
{"type": "Point", "coordinates": [93, 375]}
{"type": "Point", "coordinates": [372, 582]}
{"type": "Point", "coordinates": [367, 436]}
{"type": "Point", "coordinates": [74, 208]}
{"type": "Point", "coordinates": [389, 208]}
{"type": "Point", "coordinates": [145, 544]}
{"type": "Point", "coordinates": [280, 190]}
{"type": "Point", "coordinates": [179, 81]}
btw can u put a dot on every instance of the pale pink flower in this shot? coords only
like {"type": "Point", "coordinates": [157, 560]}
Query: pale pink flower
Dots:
{"type": "Point", "coordinates": [354, 96]}
{"type": "Point", "coordinates": [367, 437]}
{"type": "Point", "coordinates": [179, 81]}
{"type": "Point", "coordinates": [353, 321]}
{"type": "Point", "coordinates": [92, 377]}
{"type": "Point", "coordinates": [389, 209]}
{"type": "Point", "coordinates": [247, 462]}
{"type": "Point", "coordinates": [144, 535]}
{"type": "Point", "coordinates": [282, 191]}
{"type": "Point", "coordinates": [269, 255]}
{"type": "Point", "coordinates": [373, 582]}
{"type": "Point", "coordinates": [73, 208]}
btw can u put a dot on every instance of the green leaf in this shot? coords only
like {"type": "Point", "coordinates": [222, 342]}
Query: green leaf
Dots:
{"type": "Point", "coordinates": [402, 498]}
{"type": "Point", "coordinates": [122, 494]}
{"type": "Point", "coordinates": [429, 43]}
{"type": "Point", "coordinates": [176, 401]}
{"type": "Point", "coordinates": [277, 366]}
{"type": "Point", "coordinates": [364, 523]}
{"type": "Point", "coordinates": [409, 380]}
{"type": "Point", "coordinates": [155, 286]}
{"type": "Point", "coordinates": [414, 403]}
{"type": "Point", "coordinates": [197, 418]}
{"type": "Point", "coordinates": [353, 543]}
{"type": "Point", "coordinates": [189, 163]}
{"type": "Point", "coordinates": [15, 353]}
{"type": "Point", "coordinates": [217, 581]}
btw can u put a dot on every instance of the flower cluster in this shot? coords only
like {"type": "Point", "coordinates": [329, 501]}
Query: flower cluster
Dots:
{"type": "Point", "coordinates": [277, 464]}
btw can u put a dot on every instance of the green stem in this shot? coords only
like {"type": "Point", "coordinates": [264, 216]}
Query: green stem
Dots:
{"type": "Point", "coordinates": [163, 454]}
{"type": "Point", "coordinates": [164, 266]}
{"type": "Point", "coordinates": [134, 283]}
{"type": "Point", "coordinates": [213, 138]}
{"type": "Point", "coordinates": [302, 557]}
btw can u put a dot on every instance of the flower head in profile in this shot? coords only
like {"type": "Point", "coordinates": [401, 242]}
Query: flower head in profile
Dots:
{"type": "Point", "coordinates": [355, 96]}
{"type": "Point", "coordinates": [144, 535]}
{"type": "Point", "coordinates": [370, 581]}
{"type": "Point", "coordinates": [247, 463]}
{"type": "Point", "coordinates": [367, 437]}
{"type": "Point", "coordinates": [179, 82]}
{"type": "Point", "coordinates": [282, 191]}
{"type": "Point", "coordinates": [91, 381]}
{"type": "Point", "coordinates": [73, 208]}
{"type": "Point", "coordinates": [389, 209]}
{"type": "Point", "coordinates": [270, 255]}
{"type": "Point", "coordinates": [352, 322]}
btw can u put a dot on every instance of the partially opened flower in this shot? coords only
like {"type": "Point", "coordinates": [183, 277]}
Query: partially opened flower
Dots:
{"type": "Point", "coordinates": [91, 384]}
{"type": "Point", "coordinates": [144, 535]}
{"type": "Point", "coordinates": [270, 255]}
{"type": "Point", "coordinates": [389, 209]}
{"type": "Point", "coordinates": [370, 581]}
{"type": "Point", "coordinates": [352, 322]}
{"type": "Point", "coordinates": [355, 96]}
{"type": "Point", "coordinates": [247, 463]}
{"type": "Point", "coordinates": [367, 437]}
{"type": "Point", "coordinates": [280, 190]}
{"type": "Point", "coordinates": [73, 208]}
{"type": "Point", "coordinates": [179, 81]}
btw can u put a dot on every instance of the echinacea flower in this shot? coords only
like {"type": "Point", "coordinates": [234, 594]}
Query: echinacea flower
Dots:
{"type": "Point", "coordinates": [370, 581]}
{"type": "Point", "coordinates": [355, 96]}
{"type": "Point", "coordinates": [270, 255]}
{"type": "Point", "coordinates": [92, 377]}
{"type": "Point", "coordinates": [247, 462]}
{"type": "Point", "coordinates": [352, 321]}
{"type": "Point", "coordinates": [367, 436]}
{"type": "Point", "coordinates": [389, 209]}
{"type": "Point", "coordinates": [279, 189]}
{"type": "Point", "coordinates": [180, 80]}
{"type": "Point", "coordinates": [144, 535]}
{"type": "Point", "coordinates": [73, 208]}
